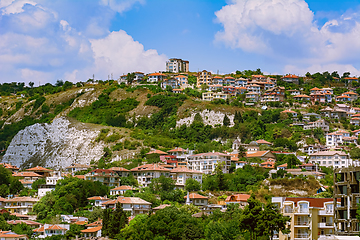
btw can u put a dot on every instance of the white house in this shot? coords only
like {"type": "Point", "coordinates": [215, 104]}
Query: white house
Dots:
{"type": "Point", "coordinates": [134, 205]}
{"type": "Point", "coordinates": [336, 138]}
{"type": "Point", "coordinates": [206, 162]}
{"type": "Point", "coordinates": [181, 174]}
{"type": "Point", "coordinates": [49, 230]}
{"type": "Point", "coordinates": [120, 190]}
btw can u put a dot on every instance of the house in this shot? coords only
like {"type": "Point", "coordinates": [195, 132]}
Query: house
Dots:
{"type": "Point", "coordinates": [121, 172]}
{"type": "Point", "coordinates": [230, 81]}
{"type": "Point", "coordinates": [183, 81]}
{"type": "Point", "coordinates": [29, 223]}
{"type": "Point", "coordinates": [291, 79]}
{"type": "Point", "coordinates": [240, 164]}
{"type": "Point", "coordinates": [282, 166]}
{"type": "Point", "coordinates": [75, 167]}
{"type": "Point", "coordinates": [350, 80]}
{"type": "Point", "coordinates": [9, 235]}
{"type": "Point", "coordinates": [180, 175]}
{"type": "Point", "coordinates": [308, 167]}
{"type": "Point", "coordinates": [252, 147]}
{"type": "Point", "coordinates": [134, 205]}
{"type": "Point", "coordinates": [336, 138]}
{"type": "Point", "coordinates": [179, 90]}
{"type": "Point", "coordinates": [2, 202]}
{"type": "Point", "coordinates": [321, 123]}
{"type": "Point", "coordinates": [206, 162]}
{"type": "Point", "coordinates": [310, 218]}
{"type": "Point", "coordinates": [258, 78]}
{"type": "Point", "coordinates": [49, 230]}
{"type": "Point", "coordinates": [241, 82]}
{"type": "Point", "coordinates": [171, 82]}
{"type": "Point", "coordinates": [50, 183]}
{"type": "Point", "coordinates": [156, 77]}
{"type": "Point", "coordinates": [343, 107]}
{"type": "Point", "coordinates": [302, 97]}
{"type": "Point", "coordinates": [22, 205]}
{"type": "Point", "coordinates": [121, 190]}
{"type": "Point", "coordinates": [353, 96]}
{"type": "Point", "coordinates": [299, 172]}
{"type": "Point", "coordinates": [268, 164]}
{"type": "Point", "coordinates": [335, 159]}
{"type": "Point", "coordinates": [197, 199]}
{"type": "Point", "coordinates": [98, 200]}
{"type": "Point", "coordinates": [309, 149]}
{"type": "Point", "coordinates": [252, 97]}
{"type": "Point", "coordinates": [229, 90]}
{"type": "Point", "coordinates": [92, 232]}
{"type": "Point", "coordinates": [105, 176]}
{"type": "Point", "coordinates": [263, 142]}
{"type": "Point", "coordinates": [343, 98]}
{"type": "Point", "coordinates": [217, 80]}
{"type": "Point", "coordinates": [27, 178]}
{"type": "Point", "coordinates": [10, 167]}
{"type": "Point", "coordinates": [145, 173]}
{"type": "Point", "coordinates": [263, 155]}
{"type": "Point", "coordinates": [162, 206]}
{"type": "Point", "coordinates": [45, 172]}
{"type": "Point", "coordinates": [355, 121]}
{"type": "Point", "coordinates": [254, 88]}
{"type": "Point", "coordinates": [240, 90]}
{"type": "Point", "coordinates": [215, 87]}
{"type": "Point", "coordinates": [292, 113]}
{"type": "Point", "coordinates": [240, 199]}
{"type": "Point", "coordinates": [203, 78]}
{"type": "Point", "coordinates": [307, 116]}
{"type": "Point", "coordinates": [207, 96]}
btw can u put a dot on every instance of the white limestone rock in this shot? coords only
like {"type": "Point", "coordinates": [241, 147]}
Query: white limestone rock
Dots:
{"type": "Point", "coordinates": [54, 145]}
{"type": "Point", "coordinates": [209, 118]}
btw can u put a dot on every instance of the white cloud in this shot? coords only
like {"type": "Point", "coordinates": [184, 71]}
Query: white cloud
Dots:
{"type": "Point", "coordinates": [121, 5]}
{"type": "Point", "coordinates": [37, 44]}
{"type": "Point", "coordinates": [285, 31]}
{"type": "Point", "coordinates": [118, 53]}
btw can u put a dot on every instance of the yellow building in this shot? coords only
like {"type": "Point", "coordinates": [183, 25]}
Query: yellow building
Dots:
{"type": "Point", "coordinates": [22, 205]}
{"type": "Point", "coordinates": [203, 78]}
{"type": "Point", "coordinates": [311, 218]}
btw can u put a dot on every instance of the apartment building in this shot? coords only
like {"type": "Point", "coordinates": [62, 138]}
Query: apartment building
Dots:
{"type": "Point", "coordinates": [206, 162]}
{"type": "Point", "coordinates": [145, 173]}
{"type": "Point", "coordinates": [183, 81]}
{"type": "Point", "coordinates": [171, 82]}
{"type": "Point", "coordinates": [339, 137]}
{"type": "Point", "coordinates": [177, 65]}
{"type": "Point", "coordinates": [294, 92]}
{"type": "Point", "coordinates": [75, 167]}
{"type": "Point", "coordinates": [50, 183]}
{"type": "Point", "coordinates": [210, 96]}
{"type": "Point", "coordinates": [302, 97]}
{"type": "Point", "coordinates": [311, 218]}
{"type": "Point", "coordinates": [27, 178]}
{"type": "Point", "coordinates": [134, 205]}
{"type": "Point", "coordinates": [252, 97]}
{"type": "Point", "coordinates": [22, 205]}
{"type": "Point", "coordinates": [335, 159]}
{"type": "Point", "coordinates": [254, 88]}
{"type": "Point", "coordinates": [347, 194]}
{"type": "Point", "coordinates": [203, 78]}
{"type": "Point", "coordinates": [105, 176]}
{"type": "Point", "coordinates": [241, 82]}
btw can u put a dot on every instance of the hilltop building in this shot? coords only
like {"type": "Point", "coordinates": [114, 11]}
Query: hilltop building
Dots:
{"type": "Point", "coordinates": [177, 65]}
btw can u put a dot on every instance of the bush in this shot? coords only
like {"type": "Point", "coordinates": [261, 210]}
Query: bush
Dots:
{"type": "Point", "coordinates": [118, 147]}
{"type": "Point", "coordinates": [112, 138]}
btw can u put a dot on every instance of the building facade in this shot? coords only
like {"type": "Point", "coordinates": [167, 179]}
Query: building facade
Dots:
{"type": "Point", "coordinates": [177, 65]}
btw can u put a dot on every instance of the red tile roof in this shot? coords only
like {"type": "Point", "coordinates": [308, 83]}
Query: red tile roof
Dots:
{"type": "Point", "coordinates": [196, 196]}
{"type": "Point", "coordinates": [39, 169]}
{"type": "Point", "coordinates": [157, 152]}
{"type": "Point", "coordinates": [55, 227]}
{"type": "Point", "coordinates": [122, 188]}
{"type": "Point", "coordinates": [92, 230]}
{"type": "Point", "coordinates": [290, 76]}
{"type": "Point", "coordinates": [238, 198]}
{"type": "Point", "coordinates": [119, 169]}
{"type": "Point", "coordinates": [26, 174]}
{"type": "Point", "coordinates": [150, 167]}
{"type": "Point", "coordinates": [313, 202]}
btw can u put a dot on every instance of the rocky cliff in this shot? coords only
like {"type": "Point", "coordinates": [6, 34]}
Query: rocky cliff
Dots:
{"type": "Point", "coordinates": [54, 145]}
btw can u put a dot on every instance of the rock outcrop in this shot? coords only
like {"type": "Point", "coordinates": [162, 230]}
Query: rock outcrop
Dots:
{"type": "Point", "coordinates": [209, 118]}
{"type": "Point", "coordinates": [54, 145]}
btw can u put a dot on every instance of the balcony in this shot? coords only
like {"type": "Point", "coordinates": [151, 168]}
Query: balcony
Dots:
{"type": "Point", "coordinates": [302, 236]}
{"type": "Point", "coordinates": [326, 225]}
{"type": "Point", "coordinates": [302, 223]}
{"type": "Point", "coordinates": [326, 212]}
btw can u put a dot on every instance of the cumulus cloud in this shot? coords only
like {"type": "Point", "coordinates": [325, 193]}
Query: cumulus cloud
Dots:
{"type": "Point", "coordinates": [122, 5]}
{"type": "Point", "coordinates": [38, 44]}
{"type": "Point", "coordinates": [285, 30]}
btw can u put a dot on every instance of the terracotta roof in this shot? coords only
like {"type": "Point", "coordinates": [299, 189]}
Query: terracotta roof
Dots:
{"type": "Point", "coordinates": [313, 202]}
{"type": "Point", "coordinates": [91, 230]}
{"type": "Point", "coordinates": [2, 199]}
{"type": "Point", "coordinates": [40, 229]}
{"type": "Point", "coordinates": [196, 196]}
{"type": "Point", "coordinates": [22, 199]}
{"type": "Point", "coordinates": [302, 96]}
{"type": "Point", "coordinates": [262, 141]}
{"type": "Point", "coordinates": [9, 166]}
{"type": "Point", "coordinates": [75, 165]}
{"type": "Point", "coordinates": [283, 165]}
{"type": "Point", "coordinates": [81, 223]}
{"type": "Point", "coordinates": [102, 170]}
{"type": "Point", "coordinates": [238, 198]}
{"type": "Point", "coordinates": [217, 77]}
{"type": "Point", "coordinates": [80, 177]}
{"type": "Point", "coordinates": [98, 198]}
{"type": "Point", "coordinates": [122, 188]}
{"type": "Point", "coordinates": [96, 223]}
{"type": "Point", "coordinates": [350, 93]}
{"type": "Point", "coordinates": [157, 152]}
{"type": "Point", "coordinates": [8, 234]}
{"type": "Point", "coordinates": [288, 111]}
{"type": "Point", "coordinates": [328, 153]}
{"type": "Point", "coordinates": [256, 154]}
{"type": "Point", "coordinates": [258, 76]}
{"type": "Point", "coordinates": [127, 200]}
{"type": "Point", "coordinates": [351, 78]}
{"type": "Point", "coordinates": [290, 76]}
{"type": "Point", "coordinates": [24, 182]}
{"type": "Point", "coordinates": [177, 150]}
{"type": "Point", "coordinates": [19, 215]}
{"type": "Point", "coordinates": [27, 222]}
{"type": "Point", "coordinates": [184, 170]}
{"type": "Point", "coordinates": [119, 169]}
{"type": "Point", "coordinates": [211, 154]}
{"type": "Point", "coordinates": [150, 167]}
{"type": "Point", "coordinates": [39, 169]}
{"type": "Point", "coordinates": [55, 227]}
{"type": "Point", "coordinates": [26, 174]}
{"type": "Point", "coordinates": [156, 74]}
{"type": "Point", "coordinates": [315, 89]}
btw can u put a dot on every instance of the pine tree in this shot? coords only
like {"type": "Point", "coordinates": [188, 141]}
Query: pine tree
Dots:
{"type": "Point", "coordinates": [226, 121]}
{"type": "Point", "coordinates": [238, 118]}
{"type": "Point", "coordinates": [198, 118]}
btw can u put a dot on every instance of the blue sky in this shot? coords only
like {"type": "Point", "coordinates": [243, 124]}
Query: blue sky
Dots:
{"type": "Point", "coordinates": [46, 40]}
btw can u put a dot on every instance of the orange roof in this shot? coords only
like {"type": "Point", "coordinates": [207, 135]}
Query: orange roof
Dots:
{"type": "Point", "coordinates": [40, 229]}
{"type": "Point", "coordinates": [91, 230]}
{"type": "Point", "coordinates": [238, 198]}
{"type": "Point", "coordinates": [185, 170]}
{"type": "Point", "coordinates": [177, 150]}
{"type": "Point", "coordinates": [80, 177]}
{"type": "Point", "coordinates": [301, 96]}
{"type": "Point", "coordinates": [127, 200]}
{"type": "Point", "coordinates": [22, 199]}
{"type": "Point", "coordinates": [9, 166]}
{"type": "Point", "coordinates": [150, 167]}
{"type": "Point", "coordinates": [26, 174]}
{"type": "Point", "coordinates": [94, 224]}
{"type": "Point", "coordinates": [350, 93]}
{"type": "Point", "coordinates": [258, 76]}
{"type": "Point", "coordinates": [217, 77]}
{"type": "Point", "coordinates": [315, 89]}
{"type": "Point", "coordinates": [314, 202]}
{"type": "Point", "coordinates": [283, 165]}
{"type": "Point", "coordinates": [81, 223]}
{"type": "Point", "coordinates": [98, 198]}
{"type": "Point", "coordinates": [290, 76]}
{"type": "Point", "coordinates": [39, 169]}
{"type": "Point", "coordinates": [122, 188]}
{"type": "Point", "coordinates": [262, 141]}
{"type": "Point", "coordinates": [119, 169]}
{"type": "Point", "coordinates": [156, 74]}
{"type": "Point", "coordinates": [256, 154]}
{"type": "Point", "coordinates": [55, 227]}
{"type": "Point", "coordinates": [157, 152]}
{"type": "Point", "coordinates": [351, 78]}
{"type": "Point", "coordinates": [196, 196]}
{"type": "Point", "coordinates": [288, 111]}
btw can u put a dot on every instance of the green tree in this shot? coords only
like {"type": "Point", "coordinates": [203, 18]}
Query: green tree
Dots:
{"type": "Point", "coordinates": [116, 220]}
{"type": "Point", "coordinates": [162, 184]}
{"type": "Point", "coordinates": [130, 78]}
{"type": "Point", "coordinates": [272, 221]}
{"type": "Point", "coordinates": [220, 176]}
{"type": "Point", "coordinates": [35, 184]}
{"type": "Point", "coordinates": [198, 118]}
{"type": "Point", "coordinates": [252, 217]}
{"type": "Point", "coordinates": [192, 185]}
{"type": "Point", "coordinates": [226, 121]}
